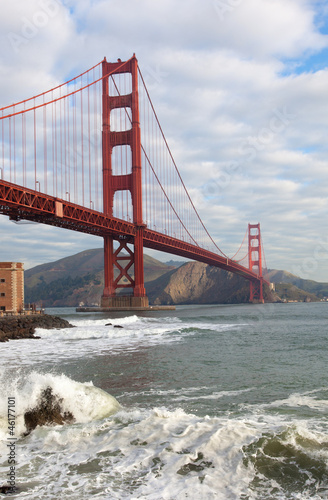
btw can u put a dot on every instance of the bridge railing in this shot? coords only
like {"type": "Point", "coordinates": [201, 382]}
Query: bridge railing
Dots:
{"type": "Point", "coordinates": [52, 143]}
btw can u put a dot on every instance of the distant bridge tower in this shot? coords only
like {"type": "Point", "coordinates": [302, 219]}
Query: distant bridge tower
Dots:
{"type": "Point", "coordinates": [255, 262]}
{"type": "Point", "coordinates": [126, 182]}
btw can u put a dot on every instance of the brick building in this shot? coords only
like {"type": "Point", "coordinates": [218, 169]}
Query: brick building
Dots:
{"type": "Point", "coordinates": [11, 287]}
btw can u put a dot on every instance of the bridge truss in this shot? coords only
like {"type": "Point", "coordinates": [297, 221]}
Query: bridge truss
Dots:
{"type": "Point", "coordinates": [77, 157]}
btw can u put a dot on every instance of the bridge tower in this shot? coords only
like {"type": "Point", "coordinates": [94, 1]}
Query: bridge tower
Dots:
{"type": "Point", "coordinates": [255, 262]}
{"type": "Point", "coordinates": [131, 182]}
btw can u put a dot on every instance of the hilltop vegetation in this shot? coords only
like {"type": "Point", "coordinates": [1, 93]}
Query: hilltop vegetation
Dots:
{"type": "Point", "coordinates": [78, 280]}
{"type": "Point", "coordinates": [320, 290]}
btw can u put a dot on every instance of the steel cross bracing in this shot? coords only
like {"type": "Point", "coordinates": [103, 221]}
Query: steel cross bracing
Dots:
{"type": "Point", "coordinates": [23, 204]}
{"type": "Point", "coordinates": [51, 178]}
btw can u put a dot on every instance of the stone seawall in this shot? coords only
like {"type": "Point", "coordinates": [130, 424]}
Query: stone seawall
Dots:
{"type": "Point", "coordinates": [23, 327]}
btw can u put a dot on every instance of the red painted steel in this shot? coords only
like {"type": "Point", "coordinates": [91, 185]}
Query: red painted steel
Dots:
{"type": "Point", "coordinates": [131, 182]}
{"type": "Point", "coordinates": [59, 152]}
{"type": "Point", "coordinates": [19, 203]}
{"type": "Point", "coordinates": [255, 262]}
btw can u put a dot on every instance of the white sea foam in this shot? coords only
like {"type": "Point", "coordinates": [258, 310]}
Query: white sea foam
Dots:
{"type": "Point", "coordinates": [218, 327]}
{"type": "Point", "coordinates": [149, 454]}
{"type": "Point", "coordinates": [139, 454]}
{"type": "Point", "coordinates": [297, 400]}
{"type": "Point", "coordinates": [83, 400]}
{"type": "Point", "coordinates": [190, 393]}
{"type": "Point", "coordinates": [91, 338]}
{"type": "Point", "coordinates": [97, 337]}
{"type": "Point", "coordinates": [112, 453]}
{"type": "Point", "coordinates": [159, 453]}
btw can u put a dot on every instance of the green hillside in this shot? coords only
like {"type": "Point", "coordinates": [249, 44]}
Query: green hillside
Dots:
{"type": "Point", "coordinates": [79, 280]}
{"type": "Point", "coordinates": [310, 286]}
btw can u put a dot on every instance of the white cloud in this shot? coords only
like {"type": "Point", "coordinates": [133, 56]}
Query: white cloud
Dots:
{"type": "Point", "coordinates": [35, 244]}
{"type": "Point", "coordinates": [271, 28]}
{"type": "Point", "coordinates": [219, 85]}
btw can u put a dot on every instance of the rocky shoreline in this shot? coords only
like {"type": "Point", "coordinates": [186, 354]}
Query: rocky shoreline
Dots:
{"type": "Point", "coordinates": [23, 327]}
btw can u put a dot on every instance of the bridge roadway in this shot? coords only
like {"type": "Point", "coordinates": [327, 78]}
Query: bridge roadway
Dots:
{"type": "Point", "coordinates": [20, 203]}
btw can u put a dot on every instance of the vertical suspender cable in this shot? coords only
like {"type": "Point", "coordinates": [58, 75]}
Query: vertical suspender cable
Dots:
{"type": "Point", "coordinates": [53, 147]}
{"type": "Point", "coordinates": [89, 132]}
{"type": "Point", "coordinates": [24, 147]}
{"type": "Point", "coordinates": [10, 147]}
{"type": "Point", "coordinates": [14, 147]}
{"type": "Point", "coordinates": [56, 153]}
{"type": "Point", "coordinates": [3, 149]}
{"type": "Point", "coordinates": [45, 146]}
{"type": "Point", "coordinates": [82, 143]}
{"type": "Point", "coordinates": [74, 152]}
{"type": "Point", "coordinates": [35, 179]}
{"type": "Point", "coordinates": [61, 145]}
{"type": "Point", "coordinates": [95, 145]}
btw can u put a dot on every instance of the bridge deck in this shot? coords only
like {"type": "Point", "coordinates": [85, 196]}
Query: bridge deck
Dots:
{"type": "Point", "coordinates": [21, 203]}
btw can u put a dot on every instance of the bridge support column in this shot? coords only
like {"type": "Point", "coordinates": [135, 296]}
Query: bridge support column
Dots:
{"type": "Point", "coordinates": [109, 289]}
{"type": "Point", "coordinates": [256, 291]}
{"type": "Point", "coordinates": [123, 260]}
{"type": "Point", "coordinates": [139, 288]}
{"type": "Point", "coordinates": [255, 263]}
{"type": "Point", "coordinates": [123, 182]}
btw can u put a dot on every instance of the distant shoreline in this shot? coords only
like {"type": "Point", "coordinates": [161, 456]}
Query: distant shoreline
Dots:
{"type": "Point", "coordinates": [23, 327]}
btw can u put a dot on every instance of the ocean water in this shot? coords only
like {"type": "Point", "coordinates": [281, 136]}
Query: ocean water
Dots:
{"type": "Point", "coordinates": [205, 402]}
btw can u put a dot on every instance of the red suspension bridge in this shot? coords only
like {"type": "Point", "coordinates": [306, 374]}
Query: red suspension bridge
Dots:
{"type": "Point", "coordinates": [90, 155]}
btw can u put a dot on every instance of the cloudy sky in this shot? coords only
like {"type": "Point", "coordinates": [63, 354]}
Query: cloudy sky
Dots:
{"type": "Point", "coordinates": [241, 91]}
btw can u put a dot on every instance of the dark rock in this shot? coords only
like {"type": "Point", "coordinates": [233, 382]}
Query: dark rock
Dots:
{"type": "Point", "coordinates": [3, 336]}
{"type": "Point", "coordinates": [5, 489]}
{"type": "Point", "coordinates": [197, 466]}
{"type": "Point", "coordinates": [24, 326]}
{"type": "Point", "coordinates": [48, 411]}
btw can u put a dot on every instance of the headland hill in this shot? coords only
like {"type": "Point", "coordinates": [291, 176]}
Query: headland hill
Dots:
{"type": "Point", "coordinates": [78, 280]}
